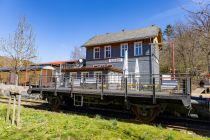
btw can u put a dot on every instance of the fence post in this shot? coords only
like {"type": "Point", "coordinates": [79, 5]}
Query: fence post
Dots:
{"type": "Point", "coordinates": [14, 106]}
{"type": "Point", "coordinates": [18, 110]}
{"type": "Point", "coordinates": [126, 88]}
{"type": "Point", "coordinates": [153, 87]}
{"type": "Point", "coordinates": [8, 108]}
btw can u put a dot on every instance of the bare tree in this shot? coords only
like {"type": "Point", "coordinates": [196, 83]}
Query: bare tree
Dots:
{"type": "Point", "coordinates": [20, 47]}
{"type": "Point", "coordinates": [77, 53]}
{"type": "Point", "coordinates": [199, 21]}
{"type": "Point", "coordinates": [192, 41]}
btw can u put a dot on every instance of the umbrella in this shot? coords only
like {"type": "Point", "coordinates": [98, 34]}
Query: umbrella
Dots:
{"type": "Point", "coordinates": [137, 72]}
{"type": "Point", "coordinates": [125, 65]}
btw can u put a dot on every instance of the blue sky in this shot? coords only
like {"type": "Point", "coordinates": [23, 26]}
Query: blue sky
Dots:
{"type": "Point", "coordinates": [60, 25]}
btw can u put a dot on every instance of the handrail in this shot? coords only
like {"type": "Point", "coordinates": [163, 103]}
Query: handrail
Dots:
{"type": "Point", "coordinates": [104, 83]}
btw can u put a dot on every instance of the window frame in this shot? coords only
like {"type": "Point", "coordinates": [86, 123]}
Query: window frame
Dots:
{"type": "Point", "coordinates": [121, 48]}
{"type": "Point", "coordinates": [83, 78]}
{"type": "Point", "coordinates": [108, 46]}
{"type": "Point", "coordinates": [141, 47]}
{"type": "Point", "coordinates": [94, 57]}
{"type": "Point", "coordinates": [96, 73]}
{"type": "Point", "coordinates": [85, 73]}
{"type": "Point", "coordinates": [73, 75]}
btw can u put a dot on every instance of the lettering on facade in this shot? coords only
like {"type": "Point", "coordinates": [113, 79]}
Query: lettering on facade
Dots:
{"type": "Point", "coordinates": [115, 60]}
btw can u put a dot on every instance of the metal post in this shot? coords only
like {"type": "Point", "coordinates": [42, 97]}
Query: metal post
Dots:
{"type": "Point", "coordinates": [96, 83]}
{"type": "Point", "coordinates": [154, 96]}
{"type": "Point", "coordinates": [102, 87]}
{"type": "Point", "coordinates": [209, 62]}
{"type": "Point", "coordinates": [188, 86]}
{"type": "Point", "coordinates": [40, 79]}
{"type": "Point", "coordinates": [72, 83]}
{"type": "Point", "coordinates": [173, 62]}
{"type": "Point", "coordinates": [184, 86]}
{"type": "Point", "coordinates": [126, 88]}
{"type": "Point", "coordinates": [55, 92]}
{"type": "Point", "coordinates": [29, 83]}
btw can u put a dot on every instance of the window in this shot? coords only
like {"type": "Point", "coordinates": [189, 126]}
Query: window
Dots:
{"type": "Point", "coordinates": [73, 75]}
{"type": "Point", "coordinates": [98, 76]}
{"type": "Point", "coordinates": [107, 52]}
{"type": "Point", "coordinates": [124, 47]}
{"type": "Point", "coordinates": [84, 76]}
{"type": "Point", "coordinates": [137, 48]}
{"type": "Point", "coordinates": [96, 54]}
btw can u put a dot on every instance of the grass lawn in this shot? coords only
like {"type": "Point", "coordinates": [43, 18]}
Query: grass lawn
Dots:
{"type": "Point", "coordinates": [45, 125]}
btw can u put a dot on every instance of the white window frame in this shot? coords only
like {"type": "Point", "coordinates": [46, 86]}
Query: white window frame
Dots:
{"type": "Point", "coordinates": [109, 46]}
{"type": "Point", "coordinates": [121, 48]}
{"type": "Point", "coordinates": [140, 42]}
{"type": "Point", "coordinates": [84, 73]}
{"type": "Point", "coordinates": [82, 76]}
{"type": "Point", "coordinates": [95, 51]}
{"type": "Point", "coordinates": [97, 72]}
{"type": "Point", "coordinates": [73, 73]}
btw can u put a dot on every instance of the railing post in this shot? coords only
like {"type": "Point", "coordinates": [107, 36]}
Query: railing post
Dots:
{"type": "Point", "coordinates": [40, 80]}
{"type": "Point", "coordinates": [153, 87]}
{"type": "Point", "coordinates": [96, 83]}
{"type": "Point", "coordinates": [72, 83]}
{"type": "Point", "coordinates": [126, 88]}
{"type": "Point", "coordinates": [184, 86]}
{"type": "Point", "coordinates": [102, 87]}
{"type": "Point", "coordinates": [55, 92]}
{"type": "Point", "coordinates": [29, 83]}
{"type": "Point", "coordinates": [188, 84]}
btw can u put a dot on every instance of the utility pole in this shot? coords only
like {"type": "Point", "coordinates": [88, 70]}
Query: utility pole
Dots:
{"type": "Point", "coordinates": [173, 61]}
{"type": "Point", "coordinates": [209, 62]}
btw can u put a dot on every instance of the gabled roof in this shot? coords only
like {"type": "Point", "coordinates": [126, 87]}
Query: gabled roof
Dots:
{"type": "Point", "coordinates": [130, 35]}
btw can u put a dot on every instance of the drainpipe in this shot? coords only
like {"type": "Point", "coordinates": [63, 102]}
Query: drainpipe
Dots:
{"type": "Point", "coordinates": [151, 61]}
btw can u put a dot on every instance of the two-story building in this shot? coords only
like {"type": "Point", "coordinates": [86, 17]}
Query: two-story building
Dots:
{"type": "Point", "coordinates": [109, 50]}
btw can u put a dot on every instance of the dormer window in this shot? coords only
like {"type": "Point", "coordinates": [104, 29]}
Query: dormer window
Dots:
{"type": "Point", "coordinates": [107, 52]}
{"type": "Point", "coordinates": [137, 48]}
{"type": "Point", "coordinates": [96, 54]}
{"type": "Point", "coordinates": [123, 48]}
